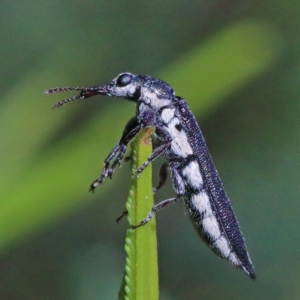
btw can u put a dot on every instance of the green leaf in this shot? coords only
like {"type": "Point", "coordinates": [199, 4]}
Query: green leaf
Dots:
{"type": "Point", "coordinates": [141, 245]}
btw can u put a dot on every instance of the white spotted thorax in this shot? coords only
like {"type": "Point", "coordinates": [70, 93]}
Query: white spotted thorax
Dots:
{"type": "Point", "coordinates": [194, 177]}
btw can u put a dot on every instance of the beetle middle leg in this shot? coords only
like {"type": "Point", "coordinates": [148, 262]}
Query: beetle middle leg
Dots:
{"type": "Point", "coordinates": [166, 142]}
{"type": "Point", "coordinates": [163, 175]}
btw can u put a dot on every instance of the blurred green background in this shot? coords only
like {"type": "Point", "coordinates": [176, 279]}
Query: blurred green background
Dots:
{"type": "Point", "coordinates": [238, 65]}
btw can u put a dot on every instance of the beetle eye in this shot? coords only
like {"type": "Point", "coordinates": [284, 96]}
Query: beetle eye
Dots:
{"type": "Point", "coordinates": [124, 79]}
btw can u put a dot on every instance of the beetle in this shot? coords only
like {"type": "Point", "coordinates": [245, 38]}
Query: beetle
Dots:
{"type": "Point", "coordinates": [195, 179]}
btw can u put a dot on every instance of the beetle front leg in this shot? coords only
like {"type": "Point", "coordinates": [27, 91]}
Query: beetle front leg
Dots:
{"type": "Point", "coordinates": [132, 128]}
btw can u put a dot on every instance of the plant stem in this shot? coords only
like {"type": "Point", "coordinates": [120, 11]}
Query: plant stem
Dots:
{"type": "Point", "coordinates": [141, 245]}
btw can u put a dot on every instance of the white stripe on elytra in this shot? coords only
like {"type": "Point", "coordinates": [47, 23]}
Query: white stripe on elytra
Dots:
{"type": "Point", "coordinates": [180, 145]}
{"type": "Point", "coordinates": [167, 115]}
{"type": "Point", "coordinates": [233, 258]}
{"type": "Point", "coordinates": [222, 245]}
{"type": "Point", "coordinates": [202, 204]}
{"type": "Point", "coordinates": [192, 174]}
{"type": "Point", "coordinates": [211, 227]}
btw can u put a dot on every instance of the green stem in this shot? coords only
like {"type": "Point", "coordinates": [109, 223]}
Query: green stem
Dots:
{"type": "Point", "coordinates": [141, 246]}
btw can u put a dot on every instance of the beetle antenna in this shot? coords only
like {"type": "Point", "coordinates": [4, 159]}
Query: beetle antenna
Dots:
{"type": "Point", "coordinates": [63, 102]}
{"type": "Point", "coordinates": [63, 89]}
{"type": "Point", "coordinates": [85, 92]}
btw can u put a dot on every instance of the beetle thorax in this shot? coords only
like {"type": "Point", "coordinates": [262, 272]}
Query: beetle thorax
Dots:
{"type": "Point", "coordinates": [153, 99]}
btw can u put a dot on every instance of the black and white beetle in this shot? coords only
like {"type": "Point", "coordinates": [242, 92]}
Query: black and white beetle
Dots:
{"type": "Point", "coordinates": [194, 176]}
